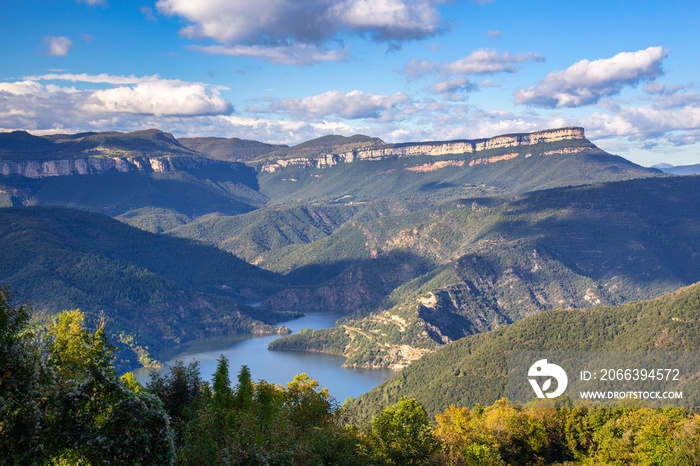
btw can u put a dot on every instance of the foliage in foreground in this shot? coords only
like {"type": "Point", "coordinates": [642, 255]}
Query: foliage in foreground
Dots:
{"type": "Point", "coordinates": [61, 402]}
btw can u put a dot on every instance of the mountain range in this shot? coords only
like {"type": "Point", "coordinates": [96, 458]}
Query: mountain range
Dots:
{"type": "Point", "coordinates": [679, 170]}
{"type": "Point", "coordinates": [419, 244]}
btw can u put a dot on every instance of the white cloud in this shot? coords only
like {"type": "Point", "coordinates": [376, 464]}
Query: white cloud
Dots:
{"type": "Point", "coordinates": [30, 105]}
{"type": "Point", "coordinates": [58, 46]}
{"type": "Point", "coordinates": [254, 27]}
{"type": "Point", "coordinates": [390, 19]}
{"type": "Point", "coordinates": [21, 88]}
{"type": "Point", "coordinates": [293, 54]}
{"type": "Point", "coordinates": [483, 61]}
{"type": "Point", "coordinates": [94, 2]}
{"type": "Point", "coordinates": [164, 97]}
{"type": "Point", "coordinates": [586, 82]}
{"type": "Point", "coordinates": [489, 61]}
{"type": "Point", "coordinates": [279, 131]}
{"type": "Point", "coordinates": [87, 78]}
{"type": "Point", "coordinates": [351, 105]}
{"type": "Point", "coordinates": [452, 85]}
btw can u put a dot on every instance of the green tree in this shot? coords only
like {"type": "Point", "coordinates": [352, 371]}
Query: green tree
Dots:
{"type": "Point", "coordinates": [402, 434]}
{"type": "Point", "coordinates": [22, 380]}
{"type": "Point", "coordinates": [222, 384]}
{"type": "Point", "coordinates": [62, 401]}
{"type": "Point", "coordinates": [178, 390]}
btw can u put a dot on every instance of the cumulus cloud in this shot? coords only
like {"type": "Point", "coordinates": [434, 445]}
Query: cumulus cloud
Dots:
{"type": "Point", "coordinates": [586, 82]}
{"type": "Point", "coordinates": [58, 46]}
{"type": "Point", "coordinates": [30, 105]}
{"type": "Point", "coordinates": [350, 105]}
{"type": "Point", "coordinates": [253, 27]}
{"type": "Point", "coordinates": [164, 97]}
{"type": "Point", "coordinates": [677, 115]}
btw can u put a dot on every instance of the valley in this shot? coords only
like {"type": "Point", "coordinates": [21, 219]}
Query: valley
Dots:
{"type": "Point", "coordinates": [416, 245]}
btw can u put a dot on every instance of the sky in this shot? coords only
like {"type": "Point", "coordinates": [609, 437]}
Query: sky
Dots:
{"type": "Point", "coordinates": [286, 71]}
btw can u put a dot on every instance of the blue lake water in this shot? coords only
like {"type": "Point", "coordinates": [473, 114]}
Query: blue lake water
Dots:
{"type": "Point", "coordinates": [279, 367]}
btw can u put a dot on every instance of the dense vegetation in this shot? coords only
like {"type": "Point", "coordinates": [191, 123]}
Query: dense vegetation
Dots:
{"type": "Point", "coordinates": [155, 291]}
{"type": "Point", "coordinates": [473, 370]}
{"type": "Point", "coordinates": [62, 403]}
{"type": "Point", "coordinates": [61, 399]}
{"type": "Point", "coordinates": [473, 265]}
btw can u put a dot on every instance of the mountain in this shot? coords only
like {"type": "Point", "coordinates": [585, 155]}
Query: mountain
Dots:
{"type": "Point", "coordinates": [146, 178]}
{"type": "Point", "coordinates": [362, 227]}
{"type": "Point", "coordinates": [254, 235]}
{"type": "Point", "coordinates": [463, 168]}
{"type": "Point", "coordinates": [256, 153]}
{"type": "Point", "coordinates": [230, 150]}
{"type": "Point", "coordinates": [680, 169]}
{"type": "Point", "coordinates": [473, 369]}
{"type": "Point", "coordinates": [21, 146]}
{"type": "Point", "coordinates": [156, 291]}
{"type": "Point", "coordinates": [474, 265]}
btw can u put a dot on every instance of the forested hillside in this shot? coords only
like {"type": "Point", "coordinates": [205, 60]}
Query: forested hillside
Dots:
{"type": "Point", "coordinates": [64, 403]}
{"type": "Point", "coordinates": [155, 291]}
{"type": "Point", "coordinates": [473, 370]}
{"type": "Point", "coordinates": [493, 261]}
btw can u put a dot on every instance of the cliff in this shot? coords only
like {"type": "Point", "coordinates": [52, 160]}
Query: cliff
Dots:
{"type": "Point", "coordinates": [432, 148]}
{"type": "Point", "coordinates": [94, 165]}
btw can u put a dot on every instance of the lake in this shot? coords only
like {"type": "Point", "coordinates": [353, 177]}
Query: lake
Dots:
{"type": "Point", "coordinates": [279, 367]}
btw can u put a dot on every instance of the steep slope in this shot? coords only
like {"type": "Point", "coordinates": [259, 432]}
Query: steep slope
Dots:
{"type": "Point", "coordinates": [156, 291]}
{"type": "Point", "coordinates": [511, 163]}
{"type": "Point", "coordinates": [152, 200]}
{"type": "Point", "coordinates": [498, 260]}
{"type": "Point", "coordinates": [254, 234]}
{"type": "Point", "coordinates": [473, 369]}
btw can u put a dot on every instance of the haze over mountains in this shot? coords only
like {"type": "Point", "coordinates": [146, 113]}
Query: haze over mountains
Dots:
{"type": "Point", "coordinates": [420, 244]}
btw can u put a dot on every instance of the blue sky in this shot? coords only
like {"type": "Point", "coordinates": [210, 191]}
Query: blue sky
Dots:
{"type": "Point", "coordinates": [286, 71]}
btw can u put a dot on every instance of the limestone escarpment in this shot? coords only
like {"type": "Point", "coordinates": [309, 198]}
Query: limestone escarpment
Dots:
{"type": "Point", "coordinates": [94, 165]}
{"type": "Point", "coordinates": [432, 148]}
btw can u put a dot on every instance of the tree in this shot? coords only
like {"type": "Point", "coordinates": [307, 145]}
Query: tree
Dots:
{"type": "Point", "coordinates": [402, 433]}
{"type": "Point", "coordinates": [61, 401]}
{"type": "Point", "coordinates": [22, 376]}
{"type": "Point", "coordinates": [178, 390]}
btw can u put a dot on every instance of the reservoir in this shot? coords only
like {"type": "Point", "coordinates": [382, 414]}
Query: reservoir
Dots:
{"type": "Point", "coordinates": [278, 367]}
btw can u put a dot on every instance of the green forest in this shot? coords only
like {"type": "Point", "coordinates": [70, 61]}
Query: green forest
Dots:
{"type": "Point", "coordinates": [63, 403]}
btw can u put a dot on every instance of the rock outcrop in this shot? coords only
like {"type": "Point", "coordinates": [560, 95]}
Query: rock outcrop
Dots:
{"type": "Point", "coordinates": [432, 148]}
{"type": "Point", "coordinates": [96, 165]}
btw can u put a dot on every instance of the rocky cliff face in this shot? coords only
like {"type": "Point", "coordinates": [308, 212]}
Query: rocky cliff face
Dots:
{"type": "Point", "coordinates": [87, 166]}
{"type": "Point", "coordinates": [433, 148]}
